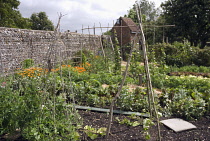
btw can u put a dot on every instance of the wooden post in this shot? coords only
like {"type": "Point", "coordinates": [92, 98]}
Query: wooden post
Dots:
{"type": "Point", "coordinates": [121, 34]}
{"type": "Point", "coordinates": [140, 80]}
{"type": "Point", "coordinates": [102, 47]}
{"type": "Point", "coordinates": [94, 29]}
{"type": "Point", "coordinates": [101, 28]}
{"type": "Point", "coordinates": [146, 65]}
{"type": "Point", "coordinates": [111, 43]}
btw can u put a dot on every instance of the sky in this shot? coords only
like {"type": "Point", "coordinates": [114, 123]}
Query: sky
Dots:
{"type": "Point", "coordinates": [80, 14]}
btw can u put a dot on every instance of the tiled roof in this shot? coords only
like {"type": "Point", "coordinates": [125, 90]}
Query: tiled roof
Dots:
{"type": "Point", "coordinates": [133, 27]}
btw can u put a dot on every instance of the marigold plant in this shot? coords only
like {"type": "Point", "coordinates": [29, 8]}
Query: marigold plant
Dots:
{"type": "Point", "coordinates": [80, 69]}
{"type": "Point", "coordinates": [31, 72]}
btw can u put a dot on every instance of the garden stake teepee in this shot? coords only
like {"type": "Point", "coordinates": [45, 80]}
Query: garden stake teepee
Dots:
{"type": "Point", "coordinates": [151, 100]}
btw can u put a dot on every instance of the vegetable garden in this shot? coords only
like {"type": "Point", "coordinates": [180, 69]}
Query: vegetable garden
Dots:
{"type": "Point", "coordinates": [40, 103]}
{"type": "Point", "coordinates": [72, 95]}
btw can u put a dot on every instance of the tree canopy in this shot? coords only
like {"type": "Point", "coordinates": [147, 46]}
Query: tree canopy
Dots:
{"type": "Point", "coordinates": [10, 16]}
{"type": "Point", "coordinates": [148, 11]}
{"type": "Point", "coordinates": [40, 21]}
{"type": "Point", "coordinates": [192, 20]}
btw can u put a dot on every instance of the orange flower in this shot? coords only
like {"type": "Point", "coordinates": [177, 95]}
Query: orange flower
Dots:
{"type": "Point", "coordinates": [80, 69]}
{"type": "Point", "coordinates": [31, 72]}
{"type": "Point", "coordinates": [66, 66]}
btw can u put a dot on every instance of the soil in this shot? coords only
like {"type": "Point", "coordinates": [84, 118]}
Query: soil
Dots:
{"type": "Point", "coordinates": [122, 132]}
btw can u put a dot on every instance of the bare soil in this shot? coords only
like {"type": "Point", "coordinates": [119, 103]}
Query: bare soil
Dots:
{"type": "Point", "coordinates": [122, 132]}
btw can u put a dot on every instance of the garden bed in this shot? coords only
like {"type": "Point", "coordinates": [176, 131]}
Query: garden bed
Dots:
{"type": "Point", "coordinates": [122, 132]}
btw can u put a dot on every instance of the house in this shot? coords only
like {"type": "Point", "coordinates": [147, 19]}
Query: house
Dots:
{"type": "Point", "coordinates": [125, 29]}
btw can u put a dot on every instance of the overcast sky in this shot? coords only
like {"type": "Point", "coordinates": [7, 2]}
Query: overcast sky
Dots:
{"type": "Point", "coordinates": [80, 12]}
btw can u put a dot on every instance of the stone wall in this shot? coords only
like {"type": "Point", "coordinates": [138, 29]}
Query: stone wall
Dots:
{"type": "Point", "coordinates": [16, 45]}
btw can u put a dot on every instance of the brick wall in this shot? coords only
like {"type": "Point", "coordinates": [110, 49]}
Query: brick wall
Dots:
{"type": "Point", "coordinates": [17, 45]}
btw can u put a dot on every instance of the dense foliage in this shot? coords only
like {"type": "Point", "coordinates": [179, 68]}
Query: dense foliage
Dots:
{"type": "Point", "coordinates": [148, 11]}
{"type": "Point", "coordinates": [179, 54]}
{"type": "Point", "coordinates": [10, 16]}
{"type": "Point", "coordinates": [40, 21]}
{"type": "Point", "coordinates": [191, 18]}
{"type": "Point", "coordinates": [29, 105]}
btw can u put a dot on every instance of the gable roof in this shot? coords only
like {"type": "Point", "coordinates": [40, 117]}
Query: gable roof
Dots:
{"type": "Point", "coordinates": [130, 23]}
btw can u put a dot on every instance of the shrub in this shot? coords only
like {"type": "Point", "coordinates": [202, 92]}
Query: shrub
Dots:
{"type": "Point", "coordinates": [183, 103]}
{"type": "Point", "coordinates": [179, 54]}
{"type": "Point", "coordinates": [27, 104]}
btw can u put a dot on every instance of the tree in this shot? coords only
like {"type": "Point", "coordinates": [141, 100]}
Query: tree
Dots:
{"type": "Point", "coordinates": [148, 11]}
{"type": "Point", "coordinates": [40, 21]}
{"type": "Point", "coordinates": [10, 16]}
{"type": "Point", "coordinates": [149, 16]}
{"type": "Point", "coordinates": [192, 20]}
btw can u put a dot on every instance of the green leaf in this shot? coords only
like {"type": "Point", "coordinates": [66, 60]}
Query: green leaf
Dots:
{"type": "Point", "coordinates": [135, 123]}
{"type": "Point", "coordinates": [93, 136]}
{"type": "Point", "coordinates": [102, 131]}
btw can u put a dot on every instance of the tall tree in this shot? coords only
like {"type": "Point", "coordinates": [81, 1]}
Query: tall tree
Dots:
{"type": "Point", "coordinates": [10, 16]}
{"type": "Point", "coordinates": [40, 21]}
{"type": "Point", "coordinates": [148, 11]}
{"type": "Point", "coordinates": [192, 20]}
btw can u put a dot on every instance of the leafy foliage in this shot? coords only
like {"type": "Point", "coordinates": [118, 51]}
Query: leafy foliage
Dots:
{"type": "Point", "coordinates": [179, 54]}
{"type": "Point", "coordinates": [40, 21]}
{"type": "Point", "coordinates": [147, 123]}
{"type": "Point", "coordinates": [129, 122]}
{"type": "Point", "coordinates": [27, 63]}
{"type": "Point", "coordinates": [10, 16]}
{"type": "Point", "coordinates": [183, 103]}
{"type": "Point", "coordinates": [148, 10]}
{"type": "Point", "coordinates": [93, 133]}
{"type": "Point", "coordinates": [191, 18]}
{"type": "Point", "coordinates": [117, 60]}
{"type": "Point", "coordinates": [35, 112]}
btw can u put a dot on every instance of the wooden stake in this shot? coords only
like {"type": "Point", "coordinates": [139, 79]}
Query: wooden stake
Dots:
{"type": "Point", "coordinates": [120, 89]}
{"type": "Point", "coordinates": [146, 65]}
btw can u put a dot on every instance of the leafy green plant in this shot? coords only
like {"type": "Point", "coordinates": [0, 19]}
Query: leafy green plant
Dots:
{"type": "Point", "coordinates": [183, 103]}
{"type": "Point", "coordinates": [135, 68]}
{"type": "Point", "coordinates": [93, 133]}
{"type": "Point", "coordinates": [35, 110]}
{"type": "Point", "coordinates": [117, 60]}
{"type": "Point", "coordinates": [133, 101]}
{"type": "Point", "coordinates": [27, 63]}
{"type": "Point", "coordinates": [128, 122]}
{"type": "Point", "coordinates": [147, 123]}
{"type": "Point", "coordinates": [179, 54]}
